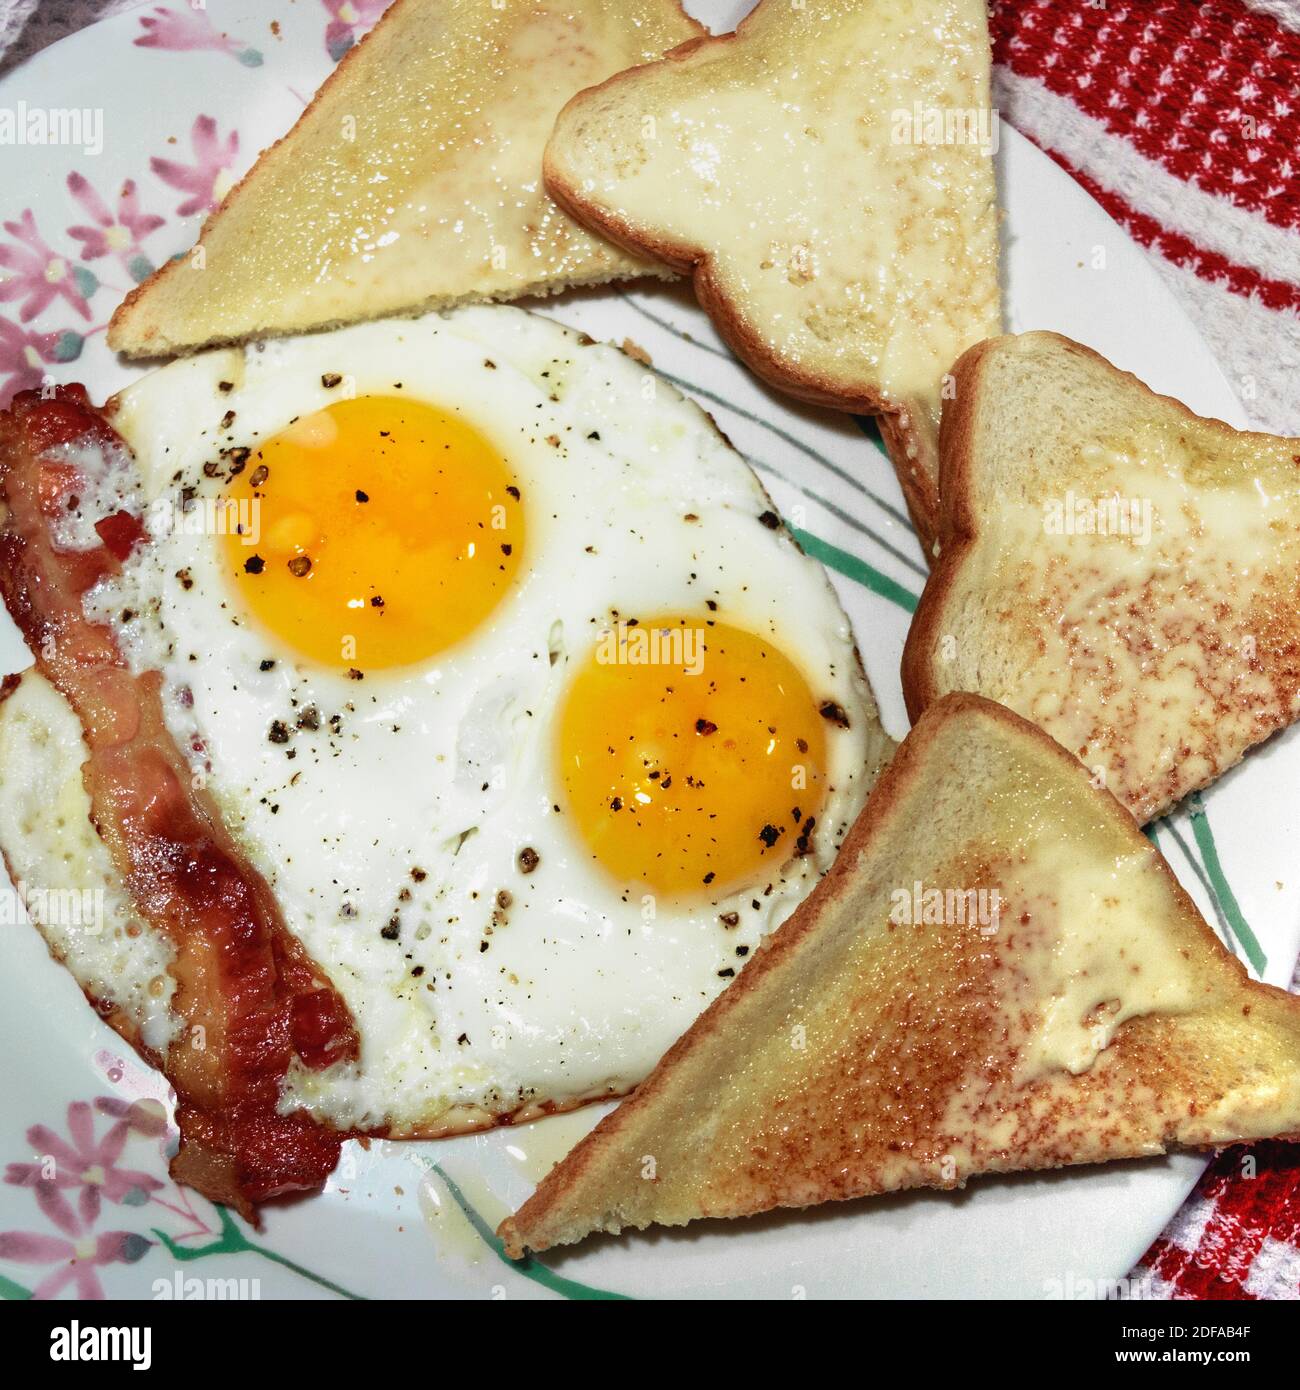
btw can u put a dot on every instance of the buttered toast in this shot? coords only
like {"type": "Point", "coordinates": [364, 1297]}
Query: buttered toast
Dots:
{"type": "Point", "coordinates": [1113, 567]}
{"type": "Point", "coordinates": [826, 174]}
{"type": "Point", "coordinates": [411, 182]}
{"type": "Point", "coordinates": [999, 973]}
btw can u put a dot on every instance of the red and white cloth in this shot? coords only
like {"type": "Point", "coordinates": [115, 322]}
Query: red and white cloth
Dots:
{"type": "Point", "coordinates": [1182, 118]}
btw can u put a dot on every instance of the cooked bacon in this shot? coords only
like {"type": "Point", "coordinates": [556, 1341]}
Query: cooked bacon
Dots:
{"type": "Point", "coordinates": [121, 533]}
{"type": "Point", "coordinates": [250, 997]}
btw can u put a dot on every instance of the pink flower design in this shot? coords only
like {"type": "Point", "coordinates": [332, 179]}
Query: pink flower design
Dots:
{"type": "Point", "coordinates": [37, 275]}
{"type": "Point", "coordinates": [120, 235]}
{"type": "Point", "coordinates": [76, 1255]}
{"type": "Point", "coordinates": [150, 1118]}
{"type": "Point", "coordinates": [73, 1252]}
{"type": "Point", "coordinates": [351, 20]}
{"type": "Point", "coordinates": [209, 179]}
{"type": "Point", "coordinates": [188, 30]}
{"type": "Point", "coordinates": [84, 1163]}
{"type": "Point", "coordinates": [24, 356]}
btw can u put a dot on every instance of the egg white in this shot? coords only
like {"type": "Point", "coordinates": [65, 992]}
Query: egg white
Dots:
{"type": "Point", "coordinates": [62, 873]}
{"type": "Point", "coordinates": [411, 801]}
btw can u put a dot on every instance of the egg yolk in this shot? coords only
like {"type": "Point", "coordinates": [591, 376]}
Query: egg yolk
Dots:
{"type": "Point", "coordinates": [692, 756]}
{"type": "Point", "coordinates": [381, 532]}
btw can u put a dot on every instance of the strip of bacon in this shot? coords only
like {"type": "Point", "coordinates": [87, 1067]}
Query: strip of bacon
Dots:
{"type": "Point", "coordinates": [250, 997]}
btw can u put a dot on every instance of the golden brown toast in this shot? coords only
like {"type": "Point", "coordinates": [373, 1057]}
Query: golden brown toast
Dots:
{"type": "Point", "coordinates": [826, 175]}
{"type": "Point", "coordinates": [1113, 567]}
{"type": "Point", "coordinates": [999, 973]}
{"type": "Point", "coordinates": [411, 182]}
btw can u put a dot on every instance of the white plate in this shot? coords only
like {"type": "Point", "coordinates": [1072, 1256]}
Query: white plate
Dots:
{"type": "Point", "coordinates": [389, 1225]}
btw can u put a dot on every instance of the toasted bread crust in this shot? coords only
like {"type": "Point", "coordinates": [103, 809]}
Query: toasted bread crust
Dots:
{"type": "Point", "coordinates": [959, 531]}
{"type": "Point", "coordinates": [120, 323]}
{"type": "Point", "coordinates": [954, 530]}
{"type": "Point", "coordinates": [913, 449]}
{"type": "Point", "coordinates": [121, 326]}
{"type": "Point", "coordinates": [905, 429]}
{"type": "Point", "coordinates": [697, 262]}
{"type": "Point", "coordinates": [527, 1229]}
{"type": "Point", "coordinates": [908, 442]}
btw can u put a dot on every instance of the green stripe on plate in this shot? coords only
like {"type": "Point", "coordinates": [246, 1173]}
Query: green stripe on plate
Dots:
{"type": "Point", "coordinates": [851, 567]}
{"type": "Point", "coordinates": [1222, 889]}
{"type": "Point", "coordinates": [529, 1267]}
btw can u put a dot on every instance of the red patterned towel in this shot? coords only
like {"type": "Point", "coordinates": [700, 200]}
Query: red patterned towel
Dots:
{"type": "Point", "coordinates": [1183, 120]}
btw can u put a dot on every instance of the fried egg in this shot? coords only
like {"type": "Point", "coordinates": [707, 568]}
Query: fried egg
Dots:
{"type": "Point", "coordinates": [508, 679]}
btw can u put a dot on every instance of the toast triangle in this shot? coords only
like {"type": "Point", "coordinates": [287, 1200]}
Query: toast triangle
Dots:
{"type": "Point", "coordinates": [1094, 1015]}
{"type": "Point", "coordinates": [822, 174]}
{"type": "Point", "coordinates": [429, 137]}
{"type": "Point", "coordinates": [1112, 566]}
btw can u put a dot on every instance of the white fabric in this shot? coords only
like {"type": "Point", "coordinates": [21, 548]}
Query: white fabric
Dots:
{"type": "Point", "coordinates": [1284, 11]}
{"type": "Point", "coordinates": [1257, 347]}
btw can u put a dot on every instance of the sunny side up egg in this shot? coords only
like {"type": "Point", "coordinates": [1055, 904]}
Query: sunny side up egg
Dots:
{"type": "Point", "coordinates": [504, 673]}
